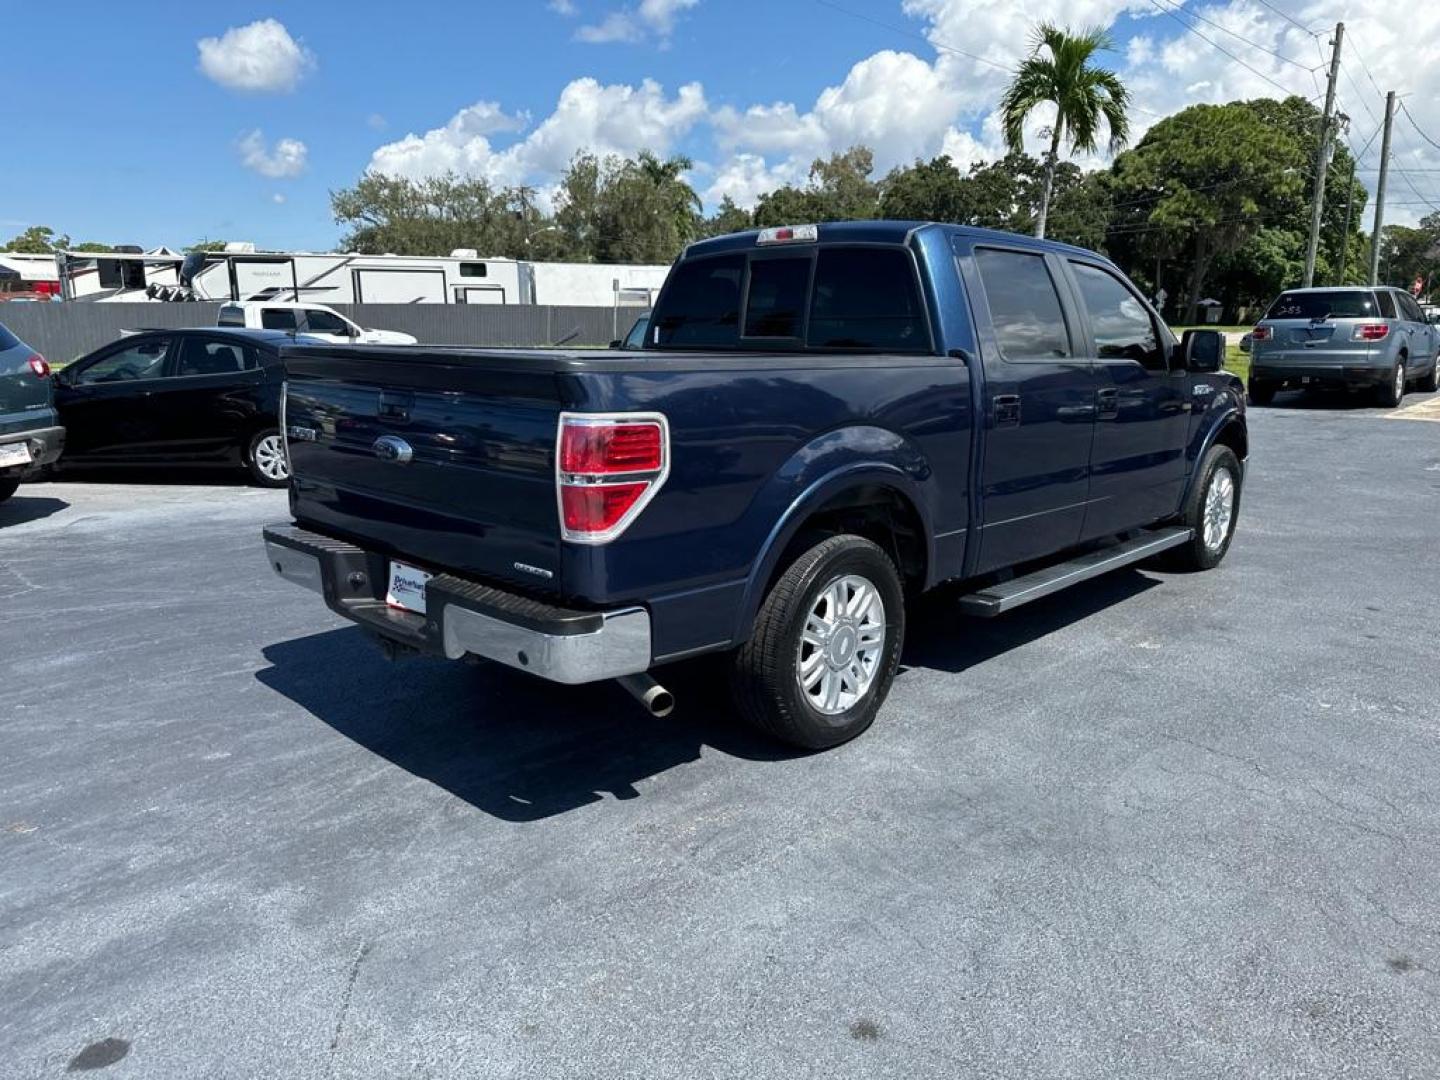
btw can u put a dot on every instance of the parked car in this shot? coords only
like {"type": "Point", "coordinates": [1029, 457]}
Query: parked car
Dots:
{"type": "Point", "coordinates": [312, 320]}
{"type": "Point", "coordinates": [30, 433]}
{"type": "Point", "coordinates": [178, 397]}
{"type": "Point", "coordinates": [635, 339]}
{"type": "Point", "coordinates": [1346, 338]}
{"type": "Point", "coordinates": [824, 422]}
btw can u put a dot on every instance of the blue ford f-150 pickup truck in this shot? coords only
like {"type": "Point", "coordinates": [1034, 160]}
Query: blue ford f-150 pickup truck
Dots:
{"type": "Point", "coordinates": [822, 421]}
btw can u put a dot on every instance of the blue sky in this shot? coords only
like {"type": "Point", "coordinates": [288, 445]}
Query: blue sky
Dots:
{"type": "Point", "coordinates": [125, 138]}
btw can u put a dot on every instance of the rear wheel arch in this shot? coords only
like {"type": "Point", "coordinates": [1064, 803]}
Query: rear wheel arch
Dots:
{"type": "Point", "coordinates": [879, 505]}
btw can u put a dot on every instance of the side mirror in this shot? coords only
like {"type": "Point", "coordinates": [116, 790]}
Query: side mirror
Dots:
{"type": "Point", "coordinates": [616, 343]}
{"type": "Point", "coordinates": [1203, 350]}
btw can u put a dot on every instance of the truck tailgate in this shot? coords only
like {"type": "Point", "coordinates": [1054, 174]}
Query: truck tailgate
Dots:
{"type": "Point", "coordinates": [440, 458]}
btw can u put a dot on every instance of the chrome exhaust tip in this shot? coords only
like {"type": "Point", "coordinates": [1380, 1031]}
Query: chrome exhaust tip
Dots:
{"type": "Point", "coordinates": [658, 701]}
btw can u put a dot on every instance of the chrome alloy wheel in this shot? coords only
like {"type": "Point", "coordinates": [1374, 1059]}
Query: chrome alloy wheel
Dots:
{"type": "Point", "coordinates": [842, 645]}
{"type": "Point", "coordinates": [1399, 381]}
{"type": "Point", "coordinates": [1219, 509]}
{"type": "Point", "coordinates": [270, 458]}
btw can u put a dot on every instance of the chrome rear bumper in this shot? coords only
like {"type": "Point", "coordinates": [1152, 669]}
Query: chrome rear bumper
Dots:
{"type": "Point", "coordinates": [464, 618]}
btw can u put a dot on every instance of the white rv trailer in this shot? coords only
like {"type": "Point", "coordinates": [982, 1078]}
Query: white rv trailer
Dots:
{"type": "Point", "coordinates": [28, 275]}
{"type": "Point", "coordinates": [242, 273]}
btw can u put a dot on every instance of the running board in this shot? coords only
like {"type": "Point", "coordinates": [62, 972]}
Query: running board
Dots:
{"type": "Point", "coordinates": [1005, 595]}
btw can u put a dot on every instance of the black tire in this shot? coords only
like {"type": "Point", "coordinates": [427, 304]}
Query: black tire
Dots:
{"type": "Point", "coordinates": [261, 463]}
{"type": "Point", "coordinates": [1393, 391]}
{"type": "Point", "coordinates": [8, 488]}
{"type": "Point", "coordinates": [1261, 393]}
{"type": "Point", "coordinates": [765, 671]}
{"type": "Point", "coordinates": [1430, 383]}
{"type": "Point", "coordinates": [1197, 554]}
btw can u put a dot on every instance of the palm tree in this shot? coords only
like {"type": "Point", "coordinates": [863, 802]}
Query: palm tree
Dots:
{"type": "Point", "coordinates": [1082, 95]}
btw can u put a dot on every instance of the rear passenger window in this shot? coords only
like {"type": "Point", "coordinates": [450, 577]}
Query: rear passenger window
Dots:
{"type": "Point", "coordinates": [702, 304]}
{"type": "Point", "coordinates": [775, 305]}
{"type": "Point", "coordinates": [1387, 303]}
{"type": "Point", "coordinates": [866, 298]}
{"type": "Point", "coordinates": [1024, 306]}
{"type": "Point", "coordinates": [277, 318]}
{"type": "Point", "coordinates": [1408, 308]}
{"type": "Point", "coordinates": [1122, 327]}
{"type": "Point", "coordinates": [201, 357]}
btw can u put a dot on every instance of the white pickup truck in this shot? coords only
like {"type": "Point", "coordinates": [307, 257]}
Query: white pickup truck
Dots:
{"type": "Point", "coordinates": [312, 320]}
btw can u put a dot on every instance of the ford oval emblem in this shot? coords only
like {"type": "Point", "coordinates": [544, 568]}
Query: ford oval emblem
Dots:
{"type": "Point", "coordinates": [392, 448]}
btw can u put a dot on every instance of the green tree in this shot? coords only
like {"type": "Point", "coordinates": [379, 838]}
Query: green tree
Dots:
{"type": "Point", "coordinates": [433, 216]}
{"type": "Point", "coordinates": [37, 240]}
{"type": "Point", "coordinates": [205, 245]}
{"type": "Point", "coordinates": [839, 188]}
{"type": "Point", "coordinates": [93, 246]}
{"type": "Point", "coordinates": [930, 190]}
{"type": "Point", "coordinates": [1409, 253]}
{"type": "Point", "coordinates": [1203, 181]}
{"type": "Point", "coordinates": [728, 218]}
{"type": "Point", "coordinates": [1083, 97]}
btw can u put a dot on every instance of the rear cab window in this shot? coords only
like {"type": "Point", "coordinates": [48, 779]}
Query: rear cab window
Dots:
{"type": "Point", "coordinates": [231, 316]}
{"type": "Point", "coordinates": [1330, 304]}
{"type": "Point", "coordinates": [863, 298]}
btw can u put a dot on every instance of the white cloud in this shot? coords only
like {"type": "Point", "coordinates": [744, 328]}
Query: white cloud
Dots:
{"type": "Point", "coordinates": [907, 104]}
{"type": "Point", "coordinates": [616, 119]}
{"type": "Point", "coordinates": [260, 57]}
{"type": "Point", "coordinates": [286, 160]}
{"type": "Point", "coordinates": [278, 198]}
{"type": "Point", "coordinates": [564, 7]}
{"type": "Point", "coordinates": [632, 24]}
{"type": "Point", "coordinates": [376, 122]}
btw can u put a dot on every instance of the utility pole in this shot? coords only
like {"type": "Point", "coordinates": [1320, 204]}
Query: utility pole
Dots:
{"type": "Point", "coordinates": [1322, 158]}
{"type": "Point", "coordinates": [1345, 233]}
{"type": "Point", "coordinates": [1380, 189]}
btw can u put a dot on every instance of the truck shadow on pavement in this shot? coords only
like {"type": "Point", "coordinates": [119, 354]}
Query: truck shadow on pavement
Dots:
{"type": "Point", "coordinates": [521, 749]}
{"type": "Point", "coordinates": [20, 508]}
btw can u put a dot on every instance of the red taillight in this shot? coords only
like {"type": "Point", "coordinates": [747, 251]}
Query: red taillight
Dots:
{"type": "Point", "coordinates": [38, 366]}
{"type": "Point", "coordinates": [1374, 331]}
{"type": "Point", "coordinates": [1260, 333]}
{"type": "Point", "coordinates": [607, 469]}
{"type": "Point", "coordinates": [599, 449]}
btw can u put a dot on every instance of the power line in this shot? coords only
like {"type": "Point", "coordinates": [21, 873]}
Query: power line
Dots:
{"type": "Point", "coordinates": [1242, 37]}
{"type": "Point", "coordinates": [1292, 21]}
{"type": "Point", "coordinates": [1355, 48]}
{"type": "Point", "coordinates": [942, 46]}
{"type": "Point", "coordinates": [1418, 129]}
{"type": "Point", "coordinates": [912, 34]}
{"type": "Point", "coordinates": [1221, 49]}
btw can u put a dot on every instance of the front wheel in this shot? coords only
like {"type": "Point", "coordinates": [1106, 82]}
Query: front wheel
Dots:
{"type": "Point", "coordinates": [266, 460]}
{"type": "Point", "coordinates": [825, 645]}
{"type": "Point", "coordinates": [1393, 391]}
{"type": "Point", "coordinates": [1211, 510]}
{"type": "Point", "coordinates": [8, 488]}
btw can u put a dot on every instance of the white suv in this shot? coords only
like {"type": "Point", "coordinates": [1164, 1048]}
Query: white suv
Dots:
{"type": "Point", "coordinates": [312, 320]}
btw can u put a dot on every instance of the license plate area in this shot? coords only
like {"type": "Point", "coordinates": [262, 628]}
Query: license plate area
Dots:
{"type": "Point", "coordinates": [16, 453]}
{"type": "Point", "coordinates": [406, 590]}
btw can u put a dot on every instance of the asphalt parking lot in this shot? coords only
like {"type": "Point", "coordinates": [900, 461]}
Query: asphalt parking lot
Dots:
{"type": "Point", "coordinates": [1162, 825]}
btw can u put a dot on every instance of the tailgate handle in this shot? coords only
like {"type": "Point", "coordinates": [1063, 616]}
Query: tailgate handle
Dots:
{"type": "Point", "coordinates": [396, 405]}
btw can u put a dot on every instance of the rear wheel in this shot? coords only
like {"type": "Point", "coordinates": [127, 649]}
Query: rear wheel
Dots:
{"type": "Point", "coordinates": [8, 488]}
{"type": "Point", "coordinates": [1431, 382]}
{"type": "Point", "coordinates": [266, 460]}
{"type": "Point", "coordinates": [1261, 393]}
{"type": "Point", "coordinates": [1393, 391]}
{"type": "Point", "coordinates": [1211, 510]}
{"type": "Point", "coordinates": [825, 645]}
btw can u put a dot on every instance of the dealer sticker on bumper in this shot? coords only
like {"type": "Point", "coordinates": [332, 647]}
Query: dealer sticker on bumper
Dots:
{"type": "Point", "coordinates": [15, 454]}
{"type": "Point", "coordinates": [407, 588]}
